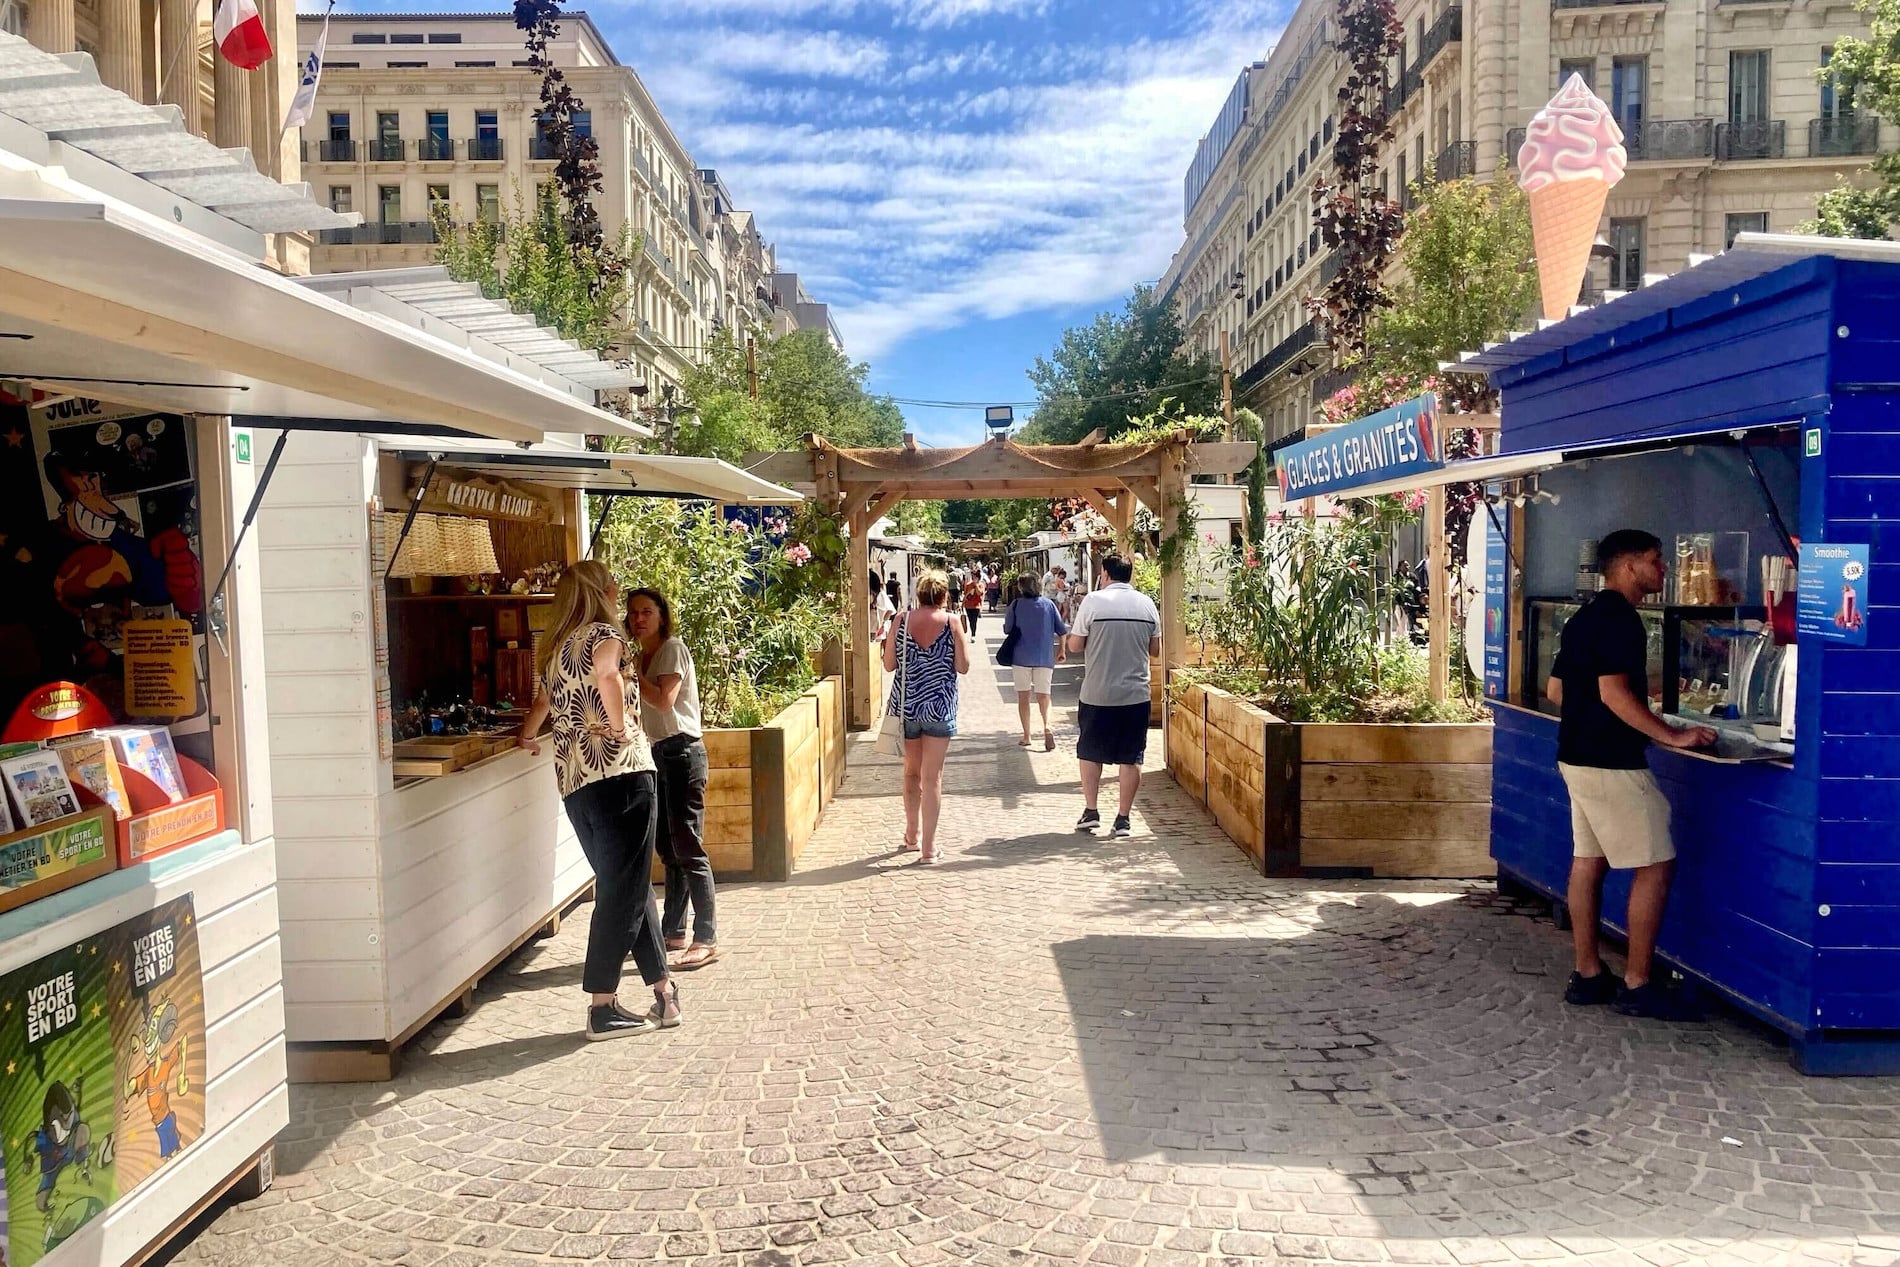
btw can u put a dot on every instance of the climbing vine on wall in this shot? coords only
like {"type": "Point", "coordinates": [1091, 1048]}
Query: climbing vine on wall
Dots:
{"type": "Point", "coordinates": [1353, 214]}
{"type": "Point", "coordinates": [576, 155]}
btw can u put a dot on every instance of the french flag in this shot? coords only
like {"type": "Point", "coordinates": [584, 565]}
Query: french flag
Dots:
{"type": "Point", "coordinates": [240, 34]}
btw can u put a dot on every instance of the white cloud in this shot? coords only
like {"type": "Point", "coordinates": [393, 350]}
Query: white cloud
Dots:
{"type": "Point", "coordinates": [954, 174]}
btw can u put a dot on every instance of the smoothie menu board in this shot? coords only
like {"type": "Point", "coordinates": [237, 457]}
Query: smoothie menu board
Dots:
{"type": "Point", "coordinates": [102, 1070]}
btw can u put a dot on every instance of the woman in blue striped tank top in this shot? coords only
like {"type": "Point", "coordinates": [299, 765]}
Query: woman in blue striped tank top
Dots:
{"type": "Point", "coordinates": [925, 654]}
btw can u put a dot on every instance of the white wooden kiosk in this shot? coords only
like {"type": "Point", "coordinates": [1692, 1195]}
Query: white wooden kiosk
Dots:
{"type": "Point", "coordinates": [118, 290]}
{"type": "Point", "coordinates": [400, 893]}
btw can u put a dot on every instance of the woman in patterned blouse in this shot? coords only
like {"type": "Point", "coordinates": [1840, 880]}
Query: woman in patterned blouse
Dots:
{"type": "Point", "coordinates": [930, 647]}
{"type": "Point", "coordinates": [605, 770]}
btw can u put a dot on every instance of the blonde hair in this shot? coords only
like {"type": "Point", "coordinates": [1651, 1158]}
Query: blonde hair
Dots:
{"type": "Point", "coordinates": [933, 589]}
{"type": "Point", "coordinates": [584, 597]}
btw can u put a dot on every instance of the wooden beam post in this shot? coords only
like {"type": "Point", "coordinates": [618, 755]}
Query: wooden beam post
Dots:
{"type": "Point", "coordinates": [858, 647]}
{"type": "Point", "coordinates": [1226, 387]}
{"type": "Point", "coordinates": [1173, 495]}
{"type": "Point", "coordinates": [1438, 593]}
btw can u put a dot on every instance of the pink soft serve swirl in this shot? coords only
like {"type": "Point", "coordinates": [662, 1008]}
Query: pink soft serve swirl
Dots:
{"type": "Point", "coordinates": [1575, 137]}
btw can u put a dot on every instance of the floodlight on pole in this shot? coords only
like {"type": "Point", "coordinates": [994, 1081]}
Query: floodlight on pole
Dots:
{"type": "Point", "coordinates": [999, 418]}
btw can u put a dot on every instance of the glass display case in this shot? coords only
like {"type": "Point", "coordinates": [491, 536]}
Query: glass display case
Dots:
{"type": "Point", "coordinates": [1701, 659]}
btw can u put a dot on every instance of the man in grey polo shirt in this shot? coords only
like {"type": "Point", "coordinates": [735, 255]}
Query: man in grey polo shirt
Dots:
{"type": "Point", "coordinates": [1116, 630]}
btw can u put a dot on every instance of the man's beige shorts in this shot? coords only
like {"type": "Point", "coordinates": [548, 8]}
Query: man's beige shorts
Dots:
{"type": "Point", "coordinates": [1620, 815]}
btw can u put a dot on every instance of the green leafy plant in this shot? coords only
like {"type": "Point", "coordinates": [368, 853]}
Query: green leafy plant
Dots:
{"type": "Point", "coordinates": [754, 613]}
{"type": "Point", "coordinates": [1866, 75]}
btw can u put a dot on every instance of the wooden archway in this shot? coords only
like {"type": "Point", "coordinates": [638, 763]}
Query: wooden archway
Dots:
{"type": "Point", "coordinates": [861, 485]}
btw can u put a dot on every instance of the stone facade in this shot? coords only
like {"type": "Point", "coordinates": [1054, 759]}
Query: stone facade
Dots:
{"type": "Point", "coordinates": [417, 110]}
{"type": "Point", "coordinates": [1729, 130]}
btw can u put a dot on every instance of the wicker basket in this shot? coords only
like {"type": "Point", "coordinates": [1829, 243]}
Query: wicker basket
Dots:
{"type": "Point", "coordinates": [439, 545]}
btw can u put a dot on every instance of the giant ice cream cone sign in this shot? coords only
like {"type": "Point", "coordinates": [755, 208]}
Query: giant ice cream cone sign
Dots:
{"type": "Point", "coordinates": [1572, 154]}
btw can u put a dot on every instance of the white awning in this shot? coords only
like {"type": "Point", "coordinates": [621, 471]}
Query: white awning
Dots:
{"type": "Point", "coordinates": [626, 474]}
{"type": "Point", "coordinates": [104, 301]}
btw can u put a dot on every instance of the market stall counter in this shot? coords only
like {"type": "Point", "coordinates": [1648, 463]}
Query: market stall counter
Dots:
{"type": "Point", "coordinates": [408, 582]}
{"type": "Point", "coordinates": [1742, 411]}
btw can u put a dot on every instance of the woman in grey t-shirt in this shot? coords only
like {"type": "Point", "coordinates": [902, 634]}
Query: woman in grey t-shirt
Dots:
{"type": "Point", "coordinates": [669, 713]}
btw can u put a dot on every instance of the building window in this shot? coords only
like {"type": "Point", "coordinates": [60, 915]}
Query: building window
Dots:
{"type": "Point", "coordinates": [436, 37]}
{"type": "Point", "coordinates": [13, 18]}
{"type": "Point", "coordinates": [362, 37]}
{"type": "Point", "coordinates": [339, 125]}
{"type": "Point", "coordinates": [1742, 222]}
{"type": "Point", "coordinates": [1629, 90]}
{"type": "Point", "coordinates": [1837, 99]}
{"type": "Point", "coordinates": [408, 65]}
{"type": "Point", "coordinates": [405, 39]}
{"type": "Point", "coordinates": [487, 127]}
{"type": "Point", "coordinates": [438, 199]}
{"type": "Point", "coordinates": [583, 123]}
{"type": "Point", "coordinates": [437, 124]}
{"type": "Point", "coordinates": [1748, 86]}
{"type": "Point", "coordinates": [1585, 67]}
{"type": "Point", "coordinates": [389, 204]}
{"type": "Point", "coordinates": [488, 204]}
{"type": "Point", "coordinates": [1626, 260]}
{"type": "Point", "coordinates": [388, 126]}
{"type": "Point", "coordinates": [475, 65]}
{"type": "Point", "coordinates": [340, 198]}
{"type": "Point", "coordinates": [341, 65]}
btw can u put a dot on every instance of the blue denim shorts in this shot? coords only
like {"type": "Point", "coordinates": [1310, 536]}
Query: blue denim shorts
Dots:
{"type": "Point", "coordinates": [917, 728]}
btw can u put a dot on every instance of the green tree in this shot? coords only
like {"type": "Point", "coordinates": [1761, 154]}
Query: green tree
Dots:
{"type": "Point", "coordinates": [1120, 366]}
{"type": "Point", "coordinates": [1867, 73]}
{"type": "Point", "coordinates": [804, 386]}
{"type": "Point", "coordinates": [919, 519]}
{"type": "Point", "coordinates": [1467, 277]}
{"type": "Point", "coordinates": [529, 261]}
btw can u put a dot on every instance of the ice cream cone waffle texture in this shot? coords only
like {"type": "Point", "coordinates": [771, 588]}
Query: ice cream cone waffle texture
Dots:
{"type": "Point", "coordinates": [1572, 154]}
{"type": "Point", "coordinates": [1564, 219]}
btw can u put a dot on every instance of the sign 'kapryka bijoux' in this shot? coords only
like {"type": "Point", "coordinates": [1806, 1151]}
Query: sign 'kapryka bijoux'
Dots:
{"type": "Point", "coordinates": [450, 493]}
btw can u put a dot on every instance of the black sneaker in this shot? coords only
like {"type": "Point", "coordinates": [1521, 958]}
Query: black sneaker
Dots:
{"type": "Point", "coordinates": [614, 1021]}
{"type": "Point", "coordinates": [1122, 827]}
{"type": "Point", "coordinates": [1592, 991]}
{"type": "Point", "coordinates": [1090, 820]}
{"type": "Point", "coordinates": [1652, 1002]}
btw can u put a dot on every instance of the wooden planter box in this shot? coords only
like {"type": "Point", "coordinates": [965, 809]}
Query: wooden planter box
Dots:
{"type": "Point", "coordinates": [1327, 798]}
{"type": "Point", "coordinates": [769, 785]}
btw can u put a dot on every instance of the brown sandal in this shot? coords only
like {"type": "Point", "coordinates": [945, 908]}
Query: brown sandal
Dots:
{"type": "Point", "coordinates": [698, 955]}
{"type": "Point", "coordinates": [675, 944]}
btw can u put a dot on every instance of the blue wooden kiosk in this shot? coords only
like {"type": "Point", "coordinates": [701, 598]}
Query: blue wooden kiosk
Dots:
{"type": "Point", "coordinates": [1754, 393]}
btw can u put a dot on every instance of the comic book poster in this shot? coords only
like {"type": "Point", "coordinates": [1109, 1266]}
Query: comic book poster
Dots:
{"type": "Point", "coordinates": [59, 1105]}
{"type": "Point", "coordinates": [102, 1052]}
{"type": "Point", "coordinates": [99, 525]}
{"type": "Point", "coordinates": [158, 1030]}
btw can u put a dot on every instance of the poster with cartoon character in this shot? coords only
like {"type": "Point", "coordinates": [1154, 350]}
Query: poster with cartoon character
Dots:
{"type": "Point", "coordinates": [58, 1106]}
{"type": "Point", "coordinates": [102, 1072]}
{"type": "Point", "coordinates": [159, 1032]}
{"type": "Point", "coordinates": [98, 525]}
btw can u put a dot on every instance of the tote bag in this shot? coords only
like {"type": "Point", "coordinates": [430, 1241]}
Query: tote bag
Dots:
{"type": "Point", "coordinates": [1006, 653]}
{"type": "Point", "coordinates": [890, 735]}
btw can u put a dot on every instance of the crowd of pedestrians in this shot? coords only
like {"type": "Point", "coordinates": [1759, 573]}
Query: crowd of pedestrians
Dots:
{"type": "Point", "coordinates": [618, 693]}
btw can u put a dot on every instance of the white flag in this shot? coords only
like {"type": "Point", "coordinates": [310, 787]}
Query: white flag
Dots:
{"type": "Point", "coordinates": [304, 104]}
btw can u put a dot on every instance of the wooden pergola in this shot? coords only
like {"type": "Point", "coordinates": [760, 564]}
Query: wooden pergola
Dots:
{"type": "Point", "coordinates": [861, 485]}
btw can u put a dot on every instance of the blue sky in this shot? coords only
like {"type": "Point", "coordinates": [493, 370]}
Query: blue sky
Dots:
{"type": "Point", "coordinates": [959, 179]}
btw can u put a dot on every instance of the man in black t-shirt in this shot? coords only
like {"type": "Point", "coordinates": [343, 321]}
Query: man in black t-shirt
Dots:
{"type": "Point", "coordinates": [1618, 815]}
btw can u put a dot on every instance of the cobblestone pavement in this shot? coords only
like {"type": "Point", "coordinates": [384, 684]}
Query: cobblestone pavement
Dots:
{"type": "Point", "coordinates": [1057, 1049]}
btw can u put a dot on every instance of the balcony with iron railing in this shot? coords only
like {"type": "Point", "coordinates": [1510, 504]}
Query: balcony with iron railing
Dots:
{"type": "Point", "coordinates": [541, 150]}
{"type": "Point", "coordinates": [1330, 266]}
{"type": "Point", "coordinates": [386, 150]}
{"type": "Point", "coordinates": [1399, 93]}
{"type": "Point", "coordinates": [1456, 161]}
{"type": "Point", "coordinates": [1598, 4]}
{"type": "Point", "coordinates": [1670, 140]}
{"type": "Point", "coordinates": [1279, 357]}
{"type": "Point", "coordinates": [1843, 135]}
{"type": "Point", "coordinates": [1757, 138]}
{"type": "Point", "coordinates": [484, 149]}
{"type": "Point", "coordinates": [1449, 29]}
{"type": "Point", "coordinates": [336, 150]}
{"type": "Point", "coordinates": [435, 149]}
{"type": "Point", "coordinates": [641, 165]}
{"type": "Point", "coordinates": [398, 233]}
